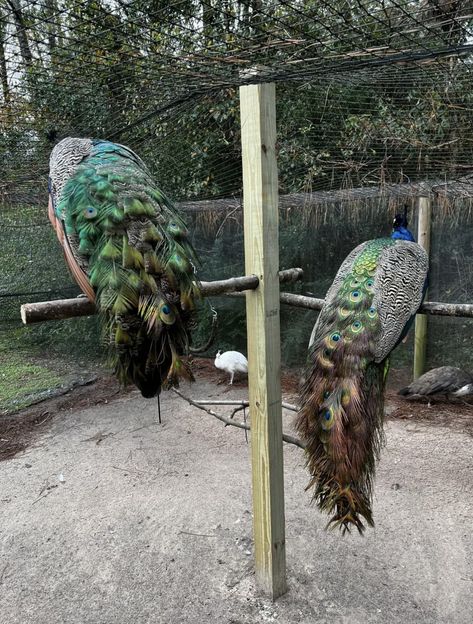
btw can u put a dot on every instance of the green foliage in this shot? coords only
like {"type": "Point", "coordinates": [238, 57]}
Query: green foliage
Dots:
{"type": "Point", "coordinates": [162, 78]}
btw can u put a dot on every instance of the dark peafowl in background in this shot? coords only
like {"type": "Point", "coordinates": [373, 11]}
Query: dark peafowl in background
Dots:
{"type": "Point", "coordinates": [449, 381]}
{"type": "Point", "coordinates": [367, 312]}
{"type": "Point", "coordinates": [128, 250]}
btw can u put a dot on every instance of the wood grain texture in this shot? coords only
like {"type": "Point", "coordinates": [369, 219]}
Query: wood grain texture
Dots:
{"type": "Point", "coordinates": [260, 210]}
{"type": "Point", "coordinates": [69, 308]}
{"type": "Point", "coordinates": [420, 339]}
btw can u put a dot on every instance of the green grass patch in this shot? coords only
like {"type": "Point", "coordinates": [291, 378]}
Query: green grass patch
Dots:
{"type": "Point", "coordinates": [21, 381]}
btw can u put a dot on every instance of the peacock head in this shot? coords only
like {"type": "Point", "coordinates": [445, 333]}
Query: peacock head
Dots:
{"type": "Point", "coordinates": [400, 220]}
{"type": "Point", "coordinates": [218, 354]}
{"type": "Point", "coordinates": [400, 231]}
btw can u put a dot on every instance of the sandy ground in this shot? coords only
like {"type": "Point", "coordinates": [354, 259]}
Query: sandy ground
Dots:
{"type": "Point", "coordinates": [110, 518]}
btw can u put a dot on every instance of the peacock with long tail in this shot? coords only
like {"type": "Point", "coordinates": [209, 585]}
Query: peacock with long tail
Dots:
{"type": "Point", "coordinates": [367, 312]}
{"type": "Point", "coordinates": [128, 250]}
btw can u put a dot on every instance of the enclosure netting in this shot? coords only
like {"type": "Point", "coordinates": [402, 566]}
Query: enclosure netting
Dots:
{"type": "Point", "coordinates": [374, 108]}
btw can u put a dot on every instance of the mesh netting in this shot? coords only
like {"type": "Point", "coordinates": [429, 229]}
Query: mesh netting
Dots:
{"type": "Point", "coordinates": [374, 108]}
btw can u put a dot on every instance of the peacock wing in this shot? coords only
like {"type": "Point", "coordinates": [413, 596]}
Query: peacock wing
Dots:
{"type": "Point", "coordinates": [444, 379]}
{"type": "Point", "coordinates": [399, 288]}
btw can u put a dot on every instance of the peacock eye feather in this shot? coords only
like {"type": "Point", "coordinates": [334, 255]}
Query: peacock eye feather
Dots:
{"type": "Point", "coordinates": [356, 326]}
{"type": "Point", "coordinates": [355, 296]}
{"type": "Point", "coordinates": [372, 312]}
{"type": "Point", "coordinates": [344, 312]}
{"type": "Point", "coordinates": [346, 398]}
{"type": "Point", "coordinates": [327, 419]}
{"type": "Point", "coordinates": [177, 231]}
{"type": "Point", "coordinates": [326, 394]}
{"type": "Point", "coordinates": [166, 314]}
{"type": "Point", "coordinates": [90, 212]}
{"type": "Point", "coordinates": [324, 358]}
{"type": "Point", "coordinates": [332, 340]}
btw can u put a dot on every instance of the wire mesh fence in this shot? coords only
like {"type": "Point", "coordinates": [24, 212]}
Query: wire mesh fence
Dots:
{"type": "Point", "coordinates": [374, 107]}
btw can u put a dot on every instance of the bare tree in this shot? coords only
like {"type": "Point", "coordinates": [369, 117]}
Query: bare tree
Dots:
{"type": "Point", "coordinates": [21, 29]}
{"type": "Point", "coordinates": [3, 64]}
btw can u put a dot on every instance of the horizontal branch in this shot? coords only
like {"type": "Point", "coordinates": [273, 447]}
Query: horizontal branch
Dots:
{"type": "Point", "coordinates": [234, 423]}
{"type": "Point", "coordinates": [436, 308]}
{"type": "Point", "coordinates": [249, 282]}
{"type": "Point", "coordinates": [56, 310]}
{"type": "Point", "coordinates": [243, 403]}
{"type": "Point", "coordinates": [436, 188]}
{"type": "Point", "coordinates": [233, 287]}
{"type": "Point", "coordinates": [80, 306]}
{"type": "Point", "coordinates": [433, 308]}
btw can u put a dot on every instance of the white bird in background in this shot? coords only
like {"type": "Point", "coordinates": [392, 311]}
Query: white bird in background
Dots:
{"type": "Point", "coordinates": [232, 362]}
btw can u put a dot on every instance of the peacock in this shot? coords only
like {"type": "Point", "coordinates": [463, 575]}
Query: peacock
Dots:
{"type": "Point", "coordinates": [232, 362]}
{"type": "Point", "coordinates": [128, 250]}
{"type": "Point", "coordinates": [447, 380]}
{"type": "Point", "coordinates": [366, 313]}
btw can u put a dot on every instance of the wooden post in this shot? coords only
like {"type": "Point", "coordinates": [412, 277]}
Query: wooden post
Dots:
{"type": "Point", "coordinates": [423, 238]}
{"type": "Point", "coordinates": [260, 212]}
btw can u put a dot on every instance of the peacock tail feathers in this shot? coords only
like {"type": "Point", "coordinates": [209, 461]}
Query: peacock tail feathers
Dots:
{"type": "Point", "coordinates": [342, 403]}
{"type": "Point", "coordinates": [128, 239]}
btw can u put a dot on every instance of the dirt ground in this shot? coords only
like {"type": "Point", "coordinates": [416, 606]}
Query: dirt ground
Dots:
{"type": "Point", "coordinates": [107, 517]}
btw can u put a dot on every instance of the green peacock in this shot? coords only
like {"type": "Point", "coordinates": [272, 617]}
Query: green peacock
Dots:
{"type": "Point", "coordinates": [128, 249]}
{"type": "Point", "coordinates": [367, 312]}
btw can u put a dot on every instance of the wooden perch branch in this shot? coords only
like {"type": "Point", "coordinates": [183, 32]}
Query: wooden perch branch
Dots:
{"type": "Point", "coordinates": [235, 423]}
{"type": "Point", "coordinates": [433, 308]}
{"type": "Point", "coordinates": [69, 308]}
{"type": "Point", "coordinates": [242, 403]}
{"type": "Point", "coordinates": [56, 310]}
{"type": "Point", "coordinates": [250, 282]}
{"type": "Point", "coordinates": [446, 309]}
{"type": "Point", "coordinates": [233, 287]}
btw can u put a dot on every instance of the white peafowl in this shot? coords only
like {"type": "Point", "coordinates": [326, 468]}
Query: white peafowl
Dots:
{"type": "Point", "coordinates": [232, 362]}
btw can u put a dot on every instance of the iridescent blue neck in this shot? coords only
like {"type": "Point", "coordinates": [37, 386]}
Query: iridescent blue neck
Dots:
{"type": "Point", "coordinates": [402, 233]}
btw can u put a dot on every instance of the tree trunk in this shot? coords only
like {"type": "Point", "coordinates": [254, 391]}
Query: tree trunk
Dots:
{"type": "Point", "coordinates": [51, 10]}
{"type": "Point", "coordinates": [257, 18]}
{"type": "Point", "coordinates": [208, 21]}
{"type": "Point", "coordinates": [20, 24]}
{"type": "Point", "coordinates": [3, 67]}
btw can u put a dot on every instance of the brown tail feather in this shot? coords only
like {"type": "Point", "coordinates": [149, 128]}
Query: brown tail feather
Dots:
{"type": "Point", "coordinates": [341, 458]}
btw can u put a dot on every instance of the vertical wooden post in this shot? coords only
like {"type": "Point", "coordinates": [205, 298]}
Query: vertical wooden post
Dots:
{"type": "Point", "coordinates": [260, 205]}
{"type": "Point", "coordinates": [423, 238]}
